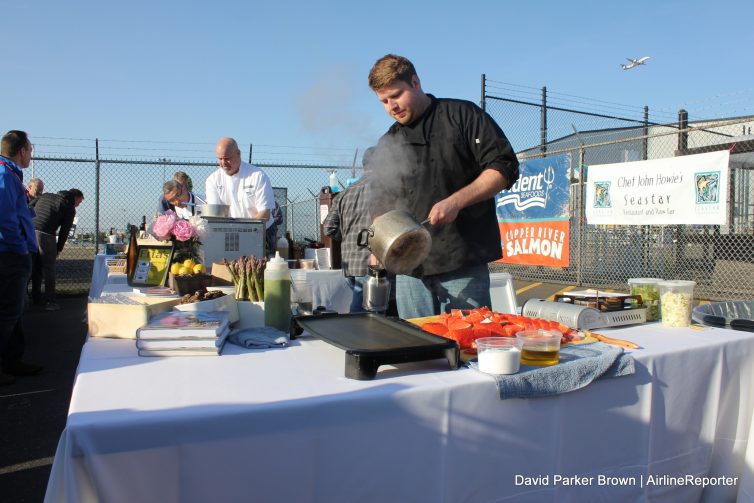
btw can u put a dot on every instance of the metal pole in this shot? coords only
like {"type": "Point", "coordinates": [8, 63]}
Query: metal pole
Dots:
{"type": "Point", "coordinates": [483, 102]}
{"type": "Point", "coordinates": [683, 135]}
{"type": "Point", "coordinates": [645, 143]}
{"type": "Point", "coordinates": [543, 122]}
{"type": "Point", "coordinates": [290, 210]}
{"type": "Point", "coordinates": [96, 195]}
{"type": "Point", "coordinates": [582, 211]}
{"type": "Point", "coordinates": [250, 149]}
{"type": "Point", "coordinates": [646, 230]}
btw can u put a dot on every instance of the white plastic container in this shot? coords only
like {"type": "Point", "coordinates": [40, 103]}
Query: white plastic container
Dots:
{"type": "Point", "coordinates": [277, 294]}
{"type": "Point", "coordinates": [224, 303]}
{"type": "Point", "coordinates": [499, 355]}
{"type": "Point", "coordinates": [676, 301]}
{"type": "Point", "coordinates": [502, 293]}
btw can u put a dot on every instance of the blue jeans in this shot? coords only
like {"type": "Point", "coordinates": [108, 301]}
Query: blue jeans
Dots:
{"type": "Point", "coordinates": [464, 288]}
{"type": "Point", "coordinates": [15, 271]}
{"type": "Point", "coordinates": [357, 287]}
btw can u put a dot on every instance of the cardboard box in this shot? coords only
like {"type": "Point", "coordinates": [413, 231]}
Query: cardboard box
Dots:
{"type": "Point", "coordinates": [221, 275]}
{"type": "Point", "coordinates": [120, 321]}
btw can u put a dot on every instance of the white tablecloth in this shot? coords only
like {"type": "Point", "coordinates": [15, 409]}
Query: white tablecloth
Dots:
{"type": "Point", "coordinates": [286, 425]}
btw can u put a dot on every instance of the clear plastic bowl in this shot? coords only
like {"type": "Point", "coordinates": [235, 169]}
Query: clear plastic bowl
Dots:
{"type": "Point", "coordinates": [540, 347]}
{"type": "Point", "coordinates": [676, 301]}
{"type": "Point", "coordinates": [499, 355]}
{"type": "Point", "coordinates": [650, 295]}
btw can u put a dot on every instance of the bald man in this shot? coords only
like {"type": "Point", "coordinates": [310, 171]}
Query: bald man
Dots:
{"type": "Point", "coordinates": [242, 186]}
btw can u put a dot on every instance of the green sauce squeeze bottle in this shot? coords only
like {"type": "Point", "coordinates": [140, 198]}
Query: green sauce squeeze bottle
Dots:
{"type": "Point", "coordinates": [277, 294]}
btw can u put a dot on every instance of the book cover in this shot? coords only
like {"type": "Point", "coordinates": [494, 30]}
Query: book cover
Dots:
{"type": "Point", "coordinates": [184, 324]}
{"type": "Point", "coordinates": [181, 352]}
{"type": "Point", "coordinates": [209, 343]}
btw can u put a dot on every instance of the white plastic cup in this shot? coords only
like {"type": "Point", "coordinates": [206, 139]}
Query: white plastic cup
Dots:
{"type": "Point", "coordinates": [499, 355]}
{"type": "Point", "coordinates": [676, 301]}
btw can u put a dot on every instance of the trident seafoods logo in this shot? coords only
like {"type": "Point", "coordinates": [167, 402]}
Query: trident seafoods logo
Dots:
{"type": "Point", "coordinates": [602, 195]}
{"type": "Point", "coordinates": [707, 187]}
{"type": "Point", "coordinates": [530, 191]}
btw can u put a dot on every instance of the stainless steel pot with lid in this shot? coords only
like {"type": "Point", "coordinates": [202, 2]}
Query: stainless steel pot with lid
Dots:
{"type": "Point", "coordinates": [210, 210]}
{"type": "Point", "coordinates": [398, 241]}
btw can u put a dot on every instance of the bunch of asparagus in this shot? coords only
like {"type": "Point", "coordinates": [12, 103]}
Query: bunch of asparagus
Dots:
{"type": "Point", "coordinates": [248, 277]}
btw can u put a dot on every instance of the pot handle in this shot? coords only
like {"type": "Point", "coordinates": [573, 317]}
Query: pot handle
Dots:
{"type": "Point", "coordinates": [362, 240]}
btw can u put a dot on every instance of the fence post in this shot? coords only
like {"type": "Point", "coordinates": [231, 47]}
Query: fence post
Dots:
{"type": "Point", "coordinates": [683, 125]}
{"type": "Point", "coordinates": [645, 133]}
{"type": "Point", "coordinates": [96, 195]}
{"type": "Point", "coordinates": [543, 122]}
{"type": "Point", "coordinates": [483, 102]}
{"type": "Point", "coordinates": [582, 212]}
{"type": "Point", "coordinates": [290, 212]}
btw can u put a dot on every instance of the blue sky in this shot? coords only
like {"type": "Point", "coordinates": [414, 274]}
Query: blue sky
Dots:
{"type": "Point", "coordinates": [292, 73]}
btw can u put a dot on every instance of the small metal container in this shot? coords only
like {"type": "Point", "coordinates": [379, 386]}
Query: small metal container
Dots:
{"type": "Point", "coordinates": [376, 290]}
{"type": "Point", "coordinates": [213, 210]}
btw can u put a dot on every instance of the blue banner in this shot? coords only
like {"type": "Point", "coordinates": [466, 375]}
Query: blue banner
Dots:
{"type": "Point", "coordinates": [542, 191]}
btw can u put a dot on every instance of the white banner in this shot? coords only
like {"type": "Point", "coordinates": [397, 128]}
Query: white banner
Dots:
{"type": "Point", "coordinates": [691, 189]}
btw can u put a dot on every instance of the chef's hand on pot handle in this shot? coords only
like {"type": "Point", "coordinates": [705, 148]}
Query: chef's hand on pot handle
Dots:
{"type": "Point", "coordinates": [443, 212]}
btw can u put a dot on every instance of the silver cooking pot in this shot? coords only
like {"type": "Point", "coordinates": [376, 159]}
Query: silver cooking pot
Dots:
{"type": "Point", "coordinates": [397, 240]}
{"type": "Point", "coordinates": [213, 210]}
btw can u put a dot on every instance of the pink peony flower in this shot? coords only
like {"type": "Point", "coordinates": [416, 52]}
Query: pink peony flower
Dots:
{"type": "Point", "coordinates": [163, 226]}
{"type": "Point", "coordinates": [183, 230]}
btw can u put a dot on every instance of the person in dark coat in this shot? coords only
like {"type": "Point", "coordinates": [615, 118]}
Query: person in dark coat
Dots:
{"type": "Point", "coordinates": [54, 215]}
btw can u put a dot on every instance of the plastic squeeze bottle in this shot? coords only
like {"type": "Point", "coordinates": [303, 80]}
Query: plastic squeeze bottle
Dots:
{"type": "Point", "coordinates": [277, 294]}
{"type": "Point", "coordinates": [282, 247]}
{"type": "Point", "coordinates": [334, 185]}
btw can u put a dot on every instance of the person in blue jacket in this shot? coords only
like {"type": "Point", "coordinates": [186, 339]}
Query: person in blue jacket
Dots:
{"type": "Point", "coordinates": [17, 243]}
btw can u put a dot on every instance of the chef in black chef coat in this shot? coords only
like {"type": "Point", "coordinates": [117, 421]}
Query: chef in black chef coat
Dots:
{"type": "Point", "coordinates": [443, 159]}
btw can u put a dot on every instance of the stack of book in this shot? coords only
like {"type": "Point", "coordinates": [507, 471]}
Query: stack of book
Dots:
{"type": "Point", "coordinates": [184, 333]}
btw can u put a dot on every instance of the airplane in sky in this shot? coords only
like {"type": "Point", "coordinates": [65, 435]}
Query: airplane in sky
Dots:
{"type": "Point", "coordinates": [632, 62]}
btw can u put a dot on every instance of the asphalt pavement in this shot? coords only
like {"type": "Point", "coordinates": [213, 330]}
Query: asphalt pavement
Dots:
{"type": "Point", "coordinates": [33, 410]}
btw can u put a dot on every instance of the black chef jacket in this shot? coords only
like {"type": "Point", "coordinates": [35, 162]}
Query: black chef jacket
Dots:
{"type": "Point", "coordinates": [444, 150]}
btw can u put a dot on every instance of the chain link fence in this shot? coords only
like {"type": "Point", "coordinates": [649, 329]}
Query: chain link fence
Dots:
{"type": "Point", "coordinates": [720, 258]}
{"type": "Point", "coordinates": [123, 191]}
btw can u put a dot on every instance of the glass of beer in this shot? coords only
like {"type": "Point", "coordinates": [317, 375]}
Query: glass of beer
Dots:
{"type": "Point", "coordinates": [540, 347]}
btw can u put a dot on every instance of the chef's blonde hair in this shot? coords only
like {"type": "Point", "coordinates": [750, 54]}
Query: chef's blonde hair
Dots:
{"type": "Point", "coordinates": [390, 69]}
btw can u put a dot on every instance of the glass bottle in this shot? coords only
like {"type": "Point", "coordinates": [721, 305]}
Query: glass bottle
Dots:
{"type": "Point", "coordinates": [132, 257]}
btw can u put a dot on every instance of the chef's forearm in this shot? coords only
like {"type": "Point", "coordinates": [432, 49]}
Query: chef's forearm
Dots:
{"type": "Point", "coordinates": [485, 186]}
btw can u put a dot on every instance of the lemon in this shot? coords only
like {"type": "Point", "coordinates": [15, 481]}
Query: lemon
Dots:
{"type": "Point", "coordinates": [199, 269]}
{"type": "Point", "coordinates": [188, 263]}
{"type": "Point", "coordinates": [175, 267]}
{"type": "Point", "coordinates": [183, 271]}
